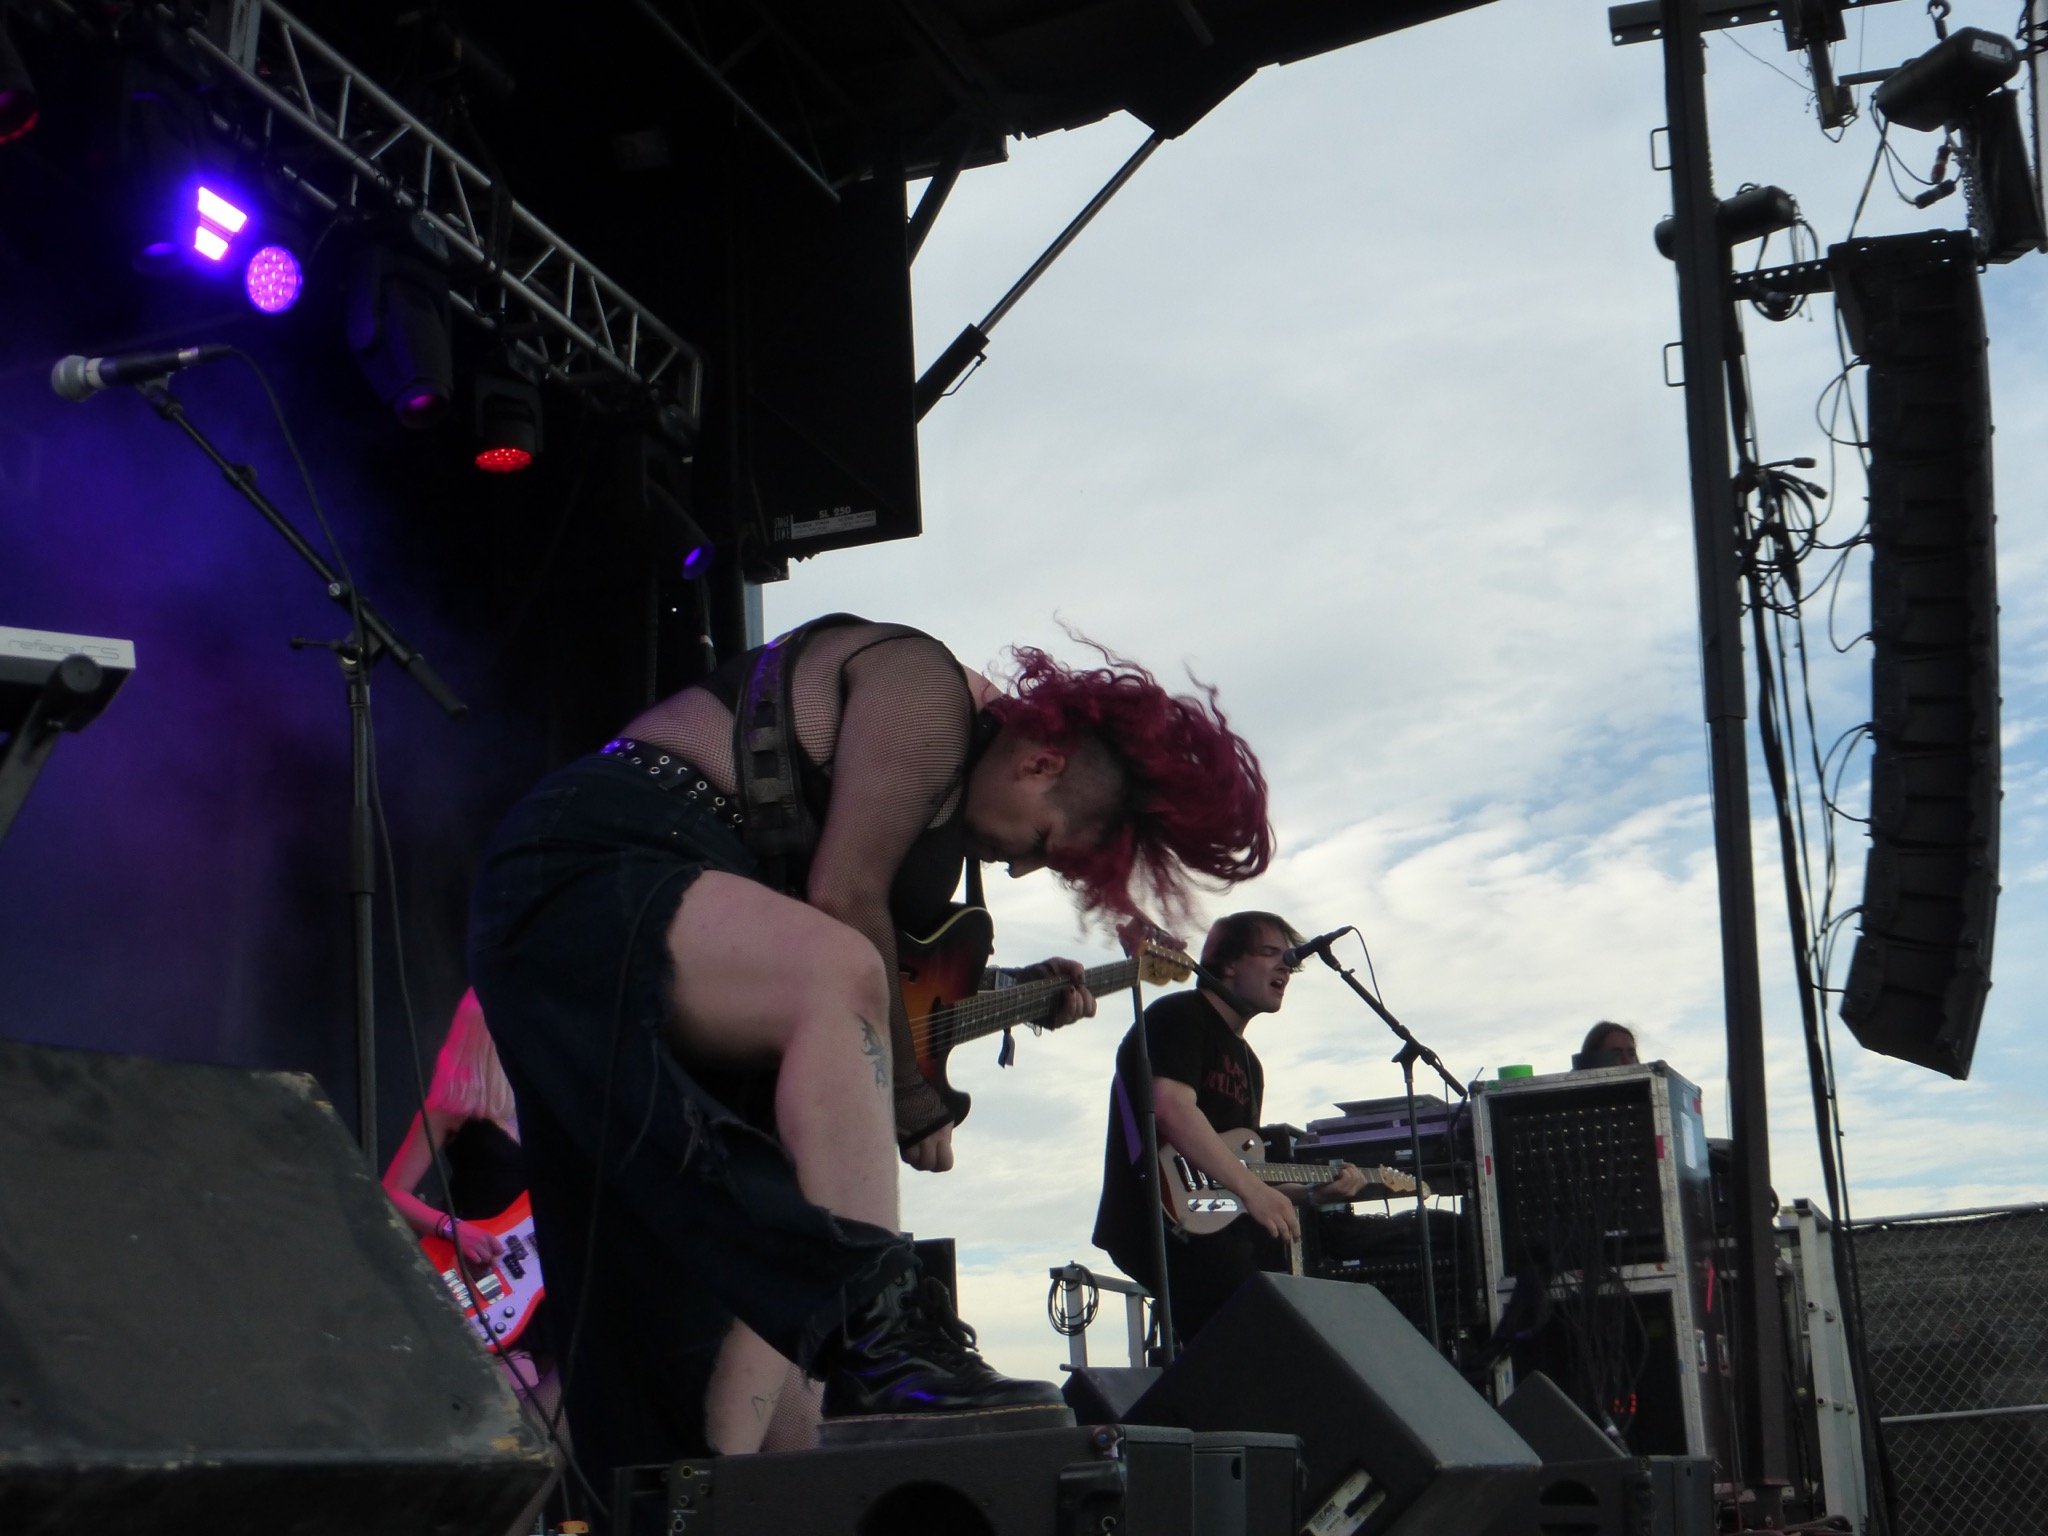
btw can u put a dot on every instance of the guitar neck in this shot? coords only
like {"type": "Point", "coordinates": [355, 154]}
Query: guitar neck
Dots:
{"type": "Point", "coordinates": [1029, 1002]}
{"type": "Point", "coordinates": [1292, 1173]}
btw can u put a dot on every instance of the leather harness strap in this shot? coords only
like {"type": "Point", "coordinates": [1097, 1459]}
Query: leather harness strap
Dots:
{"type": "Point", "coordinates": [779, 827]}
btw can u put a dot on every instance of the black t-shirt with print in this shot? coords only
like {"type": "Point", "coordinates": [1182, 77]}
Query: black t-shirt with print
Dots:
{"type": "Point", "coordinates": [1189, 1043]}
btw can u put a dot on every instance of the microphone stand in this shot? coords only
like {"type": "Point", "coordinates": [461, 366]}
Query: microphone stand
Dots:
{"type": "Point", "coordinates": [1412, 1050]}
{"type": "Point", "coordinates": [1148, 1130]}
{"type": "Point", "coordinates": [369, 637]}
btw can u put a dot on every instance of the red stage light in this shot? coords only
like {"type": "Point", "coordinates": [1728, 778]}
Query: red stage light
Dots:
{"type": "Point", "coordinates": [503, 461]}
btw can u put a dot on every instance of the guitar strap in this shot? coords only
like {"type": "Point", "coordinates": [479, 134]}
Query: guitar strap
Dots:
{"type": "Point", "coordinates": [778, 827]}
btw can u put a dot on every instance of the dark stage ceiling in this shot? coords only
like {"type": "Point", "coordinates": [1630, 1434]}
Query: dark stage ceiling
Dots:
{"type": "Point", "coordinates": [932, 79]}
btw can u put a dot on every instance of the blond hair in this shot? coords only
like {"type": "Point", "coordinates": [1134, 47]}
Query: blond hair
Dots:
{"type": "Point", "coordinates": [468, 1082]}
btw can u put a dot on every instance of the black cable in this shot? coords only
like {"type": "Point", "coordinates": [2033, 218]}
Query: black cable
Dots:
{"type": "Point", "coordinates": [1812, 951]}
{"type": "Point", "coordinates": [1883, 132]}
{"type": "Point", "coordinates": [1065, 1323]}
{"type": "Point", "coordinates": [1804, 86]}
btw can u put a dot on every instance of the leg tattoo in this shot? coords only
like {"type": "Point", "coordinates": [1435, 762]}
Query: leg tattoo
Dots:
{"type": "Point", "coordinates": [871, 1047]}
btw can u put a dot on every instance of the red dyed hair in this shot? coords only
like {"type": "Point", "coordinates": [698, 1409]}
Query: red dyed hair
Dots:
{"type": "Point", "coordinates": [1194, 797]}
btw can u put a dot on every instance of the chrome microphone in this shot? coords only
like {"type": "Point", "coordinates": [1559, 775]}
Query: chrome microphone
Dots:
{"type": "Point", "coordinates": [80, 378]}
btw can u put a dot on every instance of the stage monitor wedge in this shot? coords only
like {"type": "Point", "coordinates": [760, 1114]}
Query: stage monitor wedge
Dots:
{"type": "Point", "coordinates": [212, 1319]}
{"type": "Point", "coordinates": [1396, 1444]}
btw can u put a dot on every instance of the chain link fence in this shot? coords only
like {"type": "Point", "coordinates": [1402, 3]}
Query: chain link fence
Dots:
{"type": "Point", "coordinates": [1955, 1316]}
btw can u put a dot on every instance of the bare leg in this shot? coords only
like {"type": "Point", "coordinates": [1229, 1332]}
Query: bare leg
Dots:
{"type": "Point", "coordinates": [757, 1400]}
{"type": "Point", "coordinates": [763, 978]}
{"type": "Point", "coordinates": [745, 1387]}
{"type": "Point", "coordinates": [797, 1414]}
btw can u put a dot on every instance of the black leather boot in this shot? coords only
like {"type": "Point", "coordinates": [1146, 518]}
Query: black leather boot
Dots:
{"type": "Point", "coordinates": [904, 1367]}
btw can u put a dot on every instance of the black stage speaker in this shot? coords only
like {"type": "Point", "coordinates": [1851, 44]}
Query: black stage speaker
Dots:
{"type": "Point", "coordinates": [1922, 963]}
{"type": "Point", "coordinates": [1682, 1496]}
{"type": "Point", "coordinates": [211, 1319]}
{"type": "Point", "coordinates": [827, 432]}
{"type": "Point", "coordinates": [1393, 1437]}
{"type": "Point", "coordinates": [1103, 1394]}
{"type": "Point", "coordinates": [1248, 1484]}
{"type": "Point", "coordinates": [1589, 1486]}
{"type": "Point", "coordinates": [1556, 1428]}
{"type": "Point", "coordinates": [1134, 1481]}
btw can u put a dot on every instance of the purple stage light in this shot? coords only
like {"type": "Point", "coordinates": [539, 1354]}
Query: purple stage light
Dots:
{"type": "Point", "coordinates": [697, 561]}
{"type": "Point", "coordinates": [220, 213]}
{"type": "Point", "coordinates": [219, 222]}
{"type": "Point", "coordinates": [273, 279]}
{"type": "Point", "coordinates": [420, 407]}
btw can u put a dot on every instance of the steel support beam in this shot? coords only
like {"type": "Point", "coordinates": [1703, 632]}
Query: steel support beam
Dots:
{"type": "Point", "coordinates": [508, 270]}
{"type": "Point", "coordinates": [1704, 306]}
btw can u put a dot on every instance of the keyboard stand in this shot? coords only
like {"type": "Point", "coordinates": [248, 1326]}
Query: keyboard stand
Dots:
{"type": "Point", "coordinates": [70, 696]}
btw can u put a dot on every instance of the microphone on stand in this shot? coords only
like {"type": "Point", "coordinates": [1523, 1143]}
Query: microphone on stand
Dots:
{"type": "Point", "coordinates": [1319, 945]}
{"type": "Point", "coordinates": [80, 378]}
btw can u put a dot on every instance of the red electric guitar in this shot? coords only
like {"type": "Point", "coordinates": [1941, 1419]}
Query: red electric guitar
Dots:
{"type": "Point", "coordinates": [500, 1294]}
{"type": "Point", "coordinates": [939, 974]}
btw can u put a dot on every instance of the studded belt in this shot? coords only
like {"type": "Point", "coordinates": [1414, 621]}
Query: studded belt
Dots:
{"type": "Point", "coordinates": [678, 774]}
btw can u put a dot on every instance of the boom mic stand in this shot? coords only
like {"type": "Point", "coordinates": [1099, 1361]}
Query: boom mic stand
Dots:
{"type": "Point", "coordinates": [369, 637]}
{"type": "Point", "coordinates": [1412, 1050]}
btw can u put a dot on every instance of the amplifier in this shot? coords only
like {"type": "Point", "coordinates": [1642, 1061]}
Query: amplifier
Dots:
{"type": "Point", "coordinates": [1604, 1169]}
{"type": "Point", "coordinates": [1597, 1230]}
{"type": "Point", "coordinates": [1383, 1252]}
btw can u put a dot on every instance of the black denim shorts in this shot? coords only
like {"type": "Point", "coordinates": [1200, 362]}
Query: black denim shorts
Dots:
{"type": "Point", "coordinates": [689, 1214]}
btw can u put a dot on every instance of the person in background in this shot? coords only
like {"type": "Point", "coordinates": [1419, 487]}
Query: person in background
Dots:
{"type": "Point", "coordinates": [470, 1119]}
{"type": "Point", "coordinates": [1607, 1044]}
{"type": "Point", "coordinates": [1206, 1080]}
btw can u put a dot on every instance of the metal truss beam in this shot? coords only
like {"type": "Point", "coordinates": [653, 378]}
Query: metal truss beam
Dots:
{"type": "Point", "coordinates": [1642, 21]}
{"type": "Point", "coordinates": [508, 271]}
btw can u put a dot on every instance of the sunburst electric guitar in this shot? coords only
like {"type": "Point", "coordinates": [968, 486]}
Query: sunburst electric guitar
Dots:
{"type": "Point", "coordinates": [499, 1295]}
{"type": "Point", "coordinates": [1198, 1203]}
{"type": "Point", "coordinates": [939, 974]}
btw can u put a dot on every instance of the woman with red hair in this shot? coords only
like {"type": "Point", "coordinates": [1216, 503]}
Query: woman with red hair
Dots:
{"type": "Point", "coordinates": [686, 944]}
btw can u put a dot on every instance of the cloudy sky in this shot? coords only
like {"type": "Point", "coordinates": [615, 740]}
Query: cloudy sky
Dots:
{"type": "Point", "coordinates": [1353, 402]}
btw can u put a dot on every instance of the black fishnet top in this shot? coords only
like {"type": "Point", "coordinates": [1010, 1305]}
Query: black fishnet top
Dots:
{"type": "Point", "coordinates": [885, 730]}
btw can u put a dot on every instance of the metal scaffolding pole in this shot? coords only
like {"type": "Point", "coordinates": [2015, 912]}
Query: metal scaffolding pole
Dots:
{"type": "Point", "coordinates": [1703, 304]}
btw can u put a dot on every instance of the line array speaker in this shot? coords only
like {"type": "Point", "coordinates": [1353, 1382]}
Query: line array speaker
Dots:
{"type": "Point", "coordinates": [1922, 964]}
